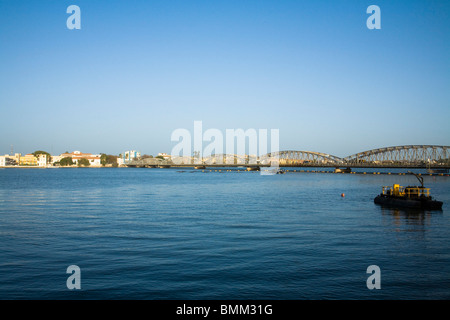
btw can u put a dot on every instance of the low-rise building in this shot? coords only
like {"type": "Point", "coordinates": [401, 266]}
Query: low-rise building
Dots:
{"type": "Point", "coordinates": [131, 155]}
{"type": "Point", "coordinates": [42, 160]}
{"type": "Point", "coordinates": [8, 160]}
{"type": "Point", "coordinates": [165, 156]}
{"type": "Point", "coordinates": [12, 160]}
{"type": "Point", "coordinates": [28, 160]}
{"type": "Point", "coordinates": [56, 159]}
{"type": "Point", "coordinates": [94, 159]}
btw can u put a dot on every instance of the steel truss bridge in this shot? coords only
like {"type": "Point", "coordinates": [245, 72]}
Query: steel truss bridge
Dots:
{"type": "Point", "coordinates": [408, 156]}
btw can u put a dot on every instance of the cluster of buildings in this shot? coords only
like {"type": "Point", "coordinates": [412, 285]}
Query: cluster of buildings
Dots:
{"type": "Point", "coordinates": [26, 160]}
{"type": "Point", "coordinates": [94, 159]}
{"type": "Point", "coordinates": [45, 160]}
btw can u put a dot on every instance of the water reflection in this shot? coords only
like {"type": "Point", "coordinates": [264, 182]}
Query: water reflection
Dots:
{"type": "Point", "coordinates": [409, 219]}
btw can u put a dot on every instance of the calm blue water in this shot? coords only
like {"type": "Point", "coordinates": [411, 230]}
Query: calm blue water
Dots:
{"type": "Point", "coordinates": [167, 234]}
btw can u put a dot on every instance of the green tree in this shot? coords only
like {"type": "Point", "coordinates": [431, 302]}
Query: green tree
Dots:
{"type": "Point", "coordinates": [103, 159]}
{"type": "Point", "coordinates": [107, 159]}
{"type": "Point", "coordinates": [112, 160]}
{"type": "Point", "coordinates": [83, 162]}
{"type": "Point", "coordinates": [67, 161]}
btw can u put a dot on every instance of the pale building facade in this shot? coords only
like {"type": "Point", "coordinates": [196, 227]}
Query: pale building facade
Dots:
{"type": "Point", "coordinates": [131, 155]}
{"type": "Point", "coordinates": [28, 160]}
{"type": "Point", "coordinates": [42, 160]}
{"type": "Point", "coordinates": [7, 159]}
{"type": "Point", "coordinates": [94, 159]}
{"type": "Point", "coordinates": [56, 159]}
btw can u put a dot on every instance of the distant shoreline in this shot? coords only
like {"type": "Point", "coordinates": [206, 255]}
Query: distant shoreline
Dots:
{"type": "Point", "coordinates": [368, 173]}
{"type": "Point", "coordinates": [36, 167]}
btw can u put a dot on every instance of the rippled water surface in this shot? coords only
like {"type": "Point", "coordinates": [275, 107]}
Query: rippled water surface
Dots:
{"type": "Point", "coordinates": [188, 234]}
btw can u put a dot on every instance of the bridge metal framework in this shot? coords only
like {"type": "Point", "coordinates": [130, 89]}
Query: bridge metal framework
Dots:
{"type": "Point", "coordinates": [407, 155]}
{"type": "Point", "coordinates": [432, 156]}
{"type": "Point", "coordinates": [291, 157]}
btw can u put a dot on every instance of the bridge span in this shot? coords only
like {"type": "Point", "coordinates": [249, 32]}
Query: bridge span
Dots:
{"type": "Point", "coordinates": [408, 156]}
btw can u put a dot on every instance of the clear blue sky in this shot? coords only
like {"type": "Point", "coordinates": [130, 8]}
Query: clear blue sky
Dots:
{"type": "Point", "coordinates": [137, 70]}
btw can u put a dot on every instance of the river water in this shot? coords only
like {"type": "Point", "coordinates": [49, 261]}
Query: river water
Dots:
{"type": "Point", "coordinates": [193, 234]}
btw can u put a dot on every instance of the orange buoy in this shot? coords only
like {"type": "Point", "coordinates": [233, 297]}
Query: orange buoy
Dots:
{"type": "Point", "coordinates": [342, 195]}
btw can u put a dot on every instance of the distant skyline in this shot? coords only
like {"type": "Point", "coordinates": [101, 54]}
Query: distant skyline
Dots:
{"type": "Point", "coordinates": [138, 70]}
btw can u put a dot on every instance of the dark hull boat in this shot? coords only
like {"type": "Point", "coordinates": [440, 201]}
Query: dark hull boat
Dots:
{"type": "Point", "coordinates": [409, 197]}
{"type": "Point", "coordinates": [391, 201]}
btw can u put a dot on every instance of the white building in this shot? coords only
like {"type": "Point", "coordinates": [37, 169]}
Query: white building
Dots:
{"type": "Point", "coordinates": [42, 160]}
{"type": "Point", "coordinates": [131, 155]}
{"type": "Point", "coordinates": [7, 159]}
{"type": "Point", "coordinates": [94, 159]}
{"type": "Point", "coordinates": [164, 155]}
{"type": "Point", "coordinates": [56, 159]}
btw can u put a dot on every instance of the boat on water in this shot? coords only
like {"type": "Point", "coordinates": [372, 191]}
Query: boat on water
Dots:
{"type": "Point", "coordinates": [409, 197]}
{"type": "Point", "coordinates": [340, 170]}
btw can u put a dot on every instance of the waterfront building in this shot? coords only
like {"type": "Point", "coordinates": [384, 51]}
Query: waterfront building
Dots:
{"type": "Point", "coordinates": [131, 155]}
{"type": "Point", "coordinates": [56, 159]}
{"type": "Point", "coordinates": [28, 160]}
{"type": "Point", "coordinates": [94, 159]}
{"type": "Point", "coordinates": [42, 160]}
{"type": "Point", "coordinates": [16, 157]}
{"type": "Point", "coordinates": [164, 155]}
{"type": "Point", "coordinates": [8, 160]}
